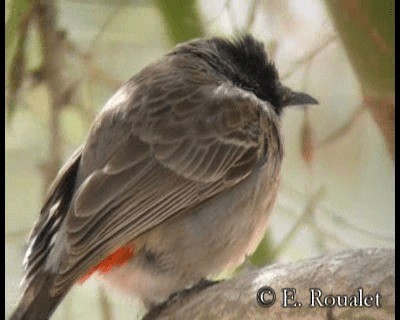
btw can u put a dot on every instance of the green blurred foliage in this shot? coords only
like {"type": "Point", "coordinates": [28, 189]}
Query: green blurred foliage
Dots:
{"type": "Point", "coordinates": [181, 18]}
{"type": "Point", "coordinates": [17, 22]}
{"type": "Point", "coordinates": [17, 12]}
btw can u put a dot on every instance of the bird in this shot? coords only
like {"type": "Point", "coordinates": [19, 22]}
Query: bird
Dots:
{"type": "Point", "coordinates": [174, 183]}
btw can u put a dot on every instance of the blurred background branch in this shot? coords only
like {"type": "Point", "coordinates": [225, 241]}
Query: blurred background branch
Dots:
{"type": "Point", "coordinates": [53, 66]}
{"type": "Point", "coordinates": [20, 17]}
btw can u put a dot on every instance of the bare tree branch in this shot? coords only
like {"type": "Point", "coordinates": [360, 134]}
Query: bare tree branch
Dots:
{"type": "Point", "coordinates": [53, 57]}
{"type": "Point", "coordinates": [343, 273]}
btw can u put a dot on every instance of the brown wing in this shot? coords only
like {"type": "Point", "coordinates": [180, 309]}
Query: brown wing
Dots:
{"type": "Point", "coordinates": [180, 152]}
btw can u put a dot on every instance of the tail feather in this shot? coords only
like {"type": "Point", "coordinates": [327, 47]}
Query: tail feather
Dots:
{"type": "Point", "coordinates": [37, 302]}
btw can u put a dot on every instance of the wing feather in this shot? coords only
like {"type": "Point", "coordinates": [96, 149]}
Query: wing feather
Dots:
{"type": "Point", "coordinates": [171, 161]}
{"type": "Point", "coordinates": [162, 170]}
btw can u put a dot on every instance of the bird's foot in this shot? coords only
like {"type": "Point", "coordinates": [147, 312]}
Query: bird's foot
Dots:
{"type": "Point", "coordinates": [178, 296]}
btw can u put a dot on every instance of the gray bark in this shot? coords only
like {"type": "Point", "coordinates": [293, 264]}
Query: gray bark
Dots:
{"type": "Point", "coordinates": [340, 273]}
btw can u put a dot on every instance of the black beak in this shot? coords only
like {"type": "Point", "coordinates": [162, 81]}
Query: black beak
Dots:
{"type": "Point", "coordinates": [293, 98]}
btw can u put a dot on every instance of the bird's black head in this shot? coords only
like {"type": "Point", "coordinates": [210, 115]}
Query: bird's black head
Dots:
{"type": "Point", "coordinates": [245, 62]}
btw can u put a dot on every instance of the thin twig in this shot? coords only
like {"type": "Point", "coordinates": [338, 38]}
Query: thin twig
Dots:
{"type": "Point", "coordinates": [317, 229]}
{"type": "Point", "coordinates": [343, 222]}
{"type": "Point", "coordinates": [99, 74]}
{"type": "Point", "coordinates": [338, 218]}
{"type": "Point", "coordinates": [325, 235]}
{"type": "Point", "coordinates": [307, 213]}
{"type": "Point", "coordinates": [307, 137]}
{"type": "Point", "coordinates": [342, 131]}
{"type": "Point", "coordinates": [103, 28]}
{"type": "Point", "coordinates": [251, 14]}
{"type": "Point", "coordinates": [216, 15]}
{"type": "Point", "coordinates": [96, 72]}
{"type": "Point", "coordinates": [309, 56]}
{"type": "Point", "coordinates": [232, 18]}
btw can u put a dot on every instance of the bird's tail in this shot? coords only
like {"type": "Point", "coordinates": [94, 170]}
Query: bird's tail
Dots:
{"type": "Point", "coordinates": [37, 302]}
